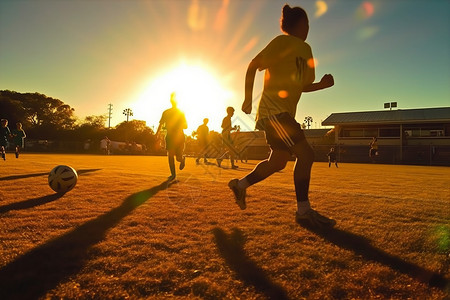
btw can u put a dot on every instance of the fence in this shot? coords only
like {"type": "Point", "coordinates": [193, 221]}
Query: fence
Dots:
{"type": "Point", "coordinates": [438, 155]}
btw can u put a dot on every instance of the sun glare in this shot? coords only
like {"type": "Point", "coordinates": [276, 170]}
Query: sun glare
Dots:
{"type": "Point", "coordinates": [199, 95]}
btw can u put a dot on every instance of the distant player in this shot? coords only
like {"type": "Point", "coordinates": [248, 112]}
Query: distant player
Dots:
{"type": "Point", "coordinates": [174, 122]}
{"type": "Point", "coordinates": [289, 66]}
{"type": "Point", "coordinates": [332, 158]}
{"type": "Point", "coordinates": [373, 151]}
{"type": "Point", "coordinates": [18, 138]}
{"type": "Point", "coordinates": [203, 141]}
{"type": "Point", "coordinates": [105, 145]}
{"type": "Point", "coordinates": [227, 140]}
{"type": "Point", "coordinates": [5, 134]}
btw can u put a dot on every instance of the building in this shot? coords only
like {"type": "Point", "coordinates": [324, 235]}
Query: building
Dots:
{"type": "Point", "coordinates": [411, 136]}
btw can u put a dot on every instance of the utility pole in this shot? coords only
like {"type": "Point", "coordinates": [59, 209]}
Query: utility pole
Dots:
{"type": "Point", "coordinates": [109, 114]}
{"type": "Point", "coordinates": [128, 112]}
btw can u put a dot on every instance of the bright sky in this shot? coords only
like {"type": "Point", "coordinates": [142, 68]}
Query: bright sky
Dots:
{"type": "Point", "coordinates": [134, 53]}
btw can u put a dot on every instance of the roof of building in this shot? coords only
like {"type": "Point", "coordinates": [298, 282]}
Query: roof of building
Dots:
{"type": "Point", "coordinates": [316, 132]}
{"type": "Point", "coordinates": [439, 114]}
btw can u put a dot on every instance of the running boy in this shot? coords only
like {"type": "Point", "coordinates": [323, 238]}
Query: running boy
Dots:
{"type": "Point", "coordinates": [174, 121]}
{"type": "Point", "coordinates": [5, 134]}
{"type": "Point", "coordinates": [202, 139]}
{"type": "Point", "coordinates": [227, 140]}
{"type": "Point", "coordinates": [289, 66]}
{"type": "Point", "coordinates": [18, 138]}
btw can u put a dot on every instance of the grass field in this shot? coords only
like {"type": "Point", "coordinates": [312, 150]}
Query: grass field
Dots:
{"type": "Point", "coordinates": [123, 232]}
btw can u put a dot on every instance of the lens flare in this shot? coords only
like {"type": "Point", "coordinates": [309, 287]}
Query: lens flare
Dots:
{"type": "Point", "coordinates": [368, 9]}
{"type": "Point", "coordinates": [196, 17]}
{"type": "Point", "coordinates": [251, 44]}
{"type": "Point", "coordinates": [367, 32]}
{"type": "Point", "coordinates": [283, 94]}
{"type": "Point", "coordinates": [365, 10]}
{"type": "Point", "coordinates": [222, 16]}
{"type": "Point", "coordinates": [442, 237]}
{"type": "Point", "coordinates": [321, 8]}
{"type": "Point", "coordinates": [312, 62]}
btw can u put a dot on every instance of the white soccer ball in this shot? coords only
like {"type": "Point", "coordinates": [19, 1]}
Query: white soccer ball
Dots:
{"type": "Point", "coordinates": [62, 179]}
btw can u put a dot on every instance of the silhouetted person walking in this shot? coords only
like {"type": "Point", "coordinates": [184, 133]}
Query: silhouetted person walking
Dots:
{"type": "Point", "coordinates": [174, 122]}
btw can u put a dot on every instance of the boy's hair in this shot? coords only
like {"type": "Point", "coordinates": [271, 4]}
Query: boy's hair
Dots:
{"type": "Point", "coordinates": [290, 16]}
{"type": "Point", "coordinates": [4, 121]}
{"type": "Point", "coordinates": [230, 109]}
{"type": "Point", "coordinates": [173, 99]}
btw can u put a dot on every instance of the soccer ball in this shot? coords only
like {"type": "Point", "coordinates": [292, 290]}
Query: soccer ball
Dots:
{"type": "Point", "coordinates": [62, 179]}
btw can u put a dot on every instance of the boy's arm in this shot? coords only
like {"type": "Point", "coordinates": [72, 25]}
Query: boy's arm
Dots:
{"type": "Point", "coordinates": [185, 126]}
{"type": "Point", "coordinates": [326, 82]}
{"type": "Point", "coordinates": [249, 82]}
{"type": "Point", "coordinates": [158, 130]}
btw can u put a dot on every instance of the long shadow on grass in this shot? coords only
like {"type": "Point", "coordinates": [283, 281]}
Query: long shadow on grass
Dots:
{"type": "Point", "coordinates": [361, 246]}
{"type": "Point", "coordinates": [231, 247]}
{"type": "Point", "coordinates": [43, 268]}
{"type": "Point", "coordinates": [29, 203]}
{"type": "Point", "coordinates": [36, 201]}
{"type": "Point", "coordinates": [14, 177]}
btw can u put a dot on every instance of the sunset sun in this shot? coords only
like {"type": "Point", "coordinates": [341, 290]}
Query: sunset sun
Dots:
{"type": "Point", "coordinates": [199, 93]}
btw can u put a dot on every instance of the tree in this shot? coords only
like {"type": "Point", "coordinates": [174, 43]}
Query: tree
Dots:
{"type": "Point", "coordinates": [13, 111]}
{"type": "Point", "coordinates": [34, 110]}
{"type": "Point", "coordinates": [134, 131]}
{"type": "Point", "coordinates": [42, 116]}
{"type": "Point", "coordinates": [95, 121]}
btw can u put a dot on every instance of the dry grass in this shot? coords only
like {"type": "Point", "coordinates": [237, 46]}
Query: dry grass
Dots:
{"type": "Point", "coordinates": [124, 233]}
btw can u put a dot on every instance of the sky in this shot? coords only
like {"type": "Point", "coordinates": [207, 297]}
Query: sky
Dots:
{"type": "Point", "coordinates": [135, 53]}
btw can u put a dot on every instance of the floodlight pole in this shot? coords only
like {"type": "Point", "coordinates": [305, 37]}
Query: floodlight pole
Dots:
{"type": "Point", "coordinates": [128, 112]}
{"type": "Point", "coordinates": [308, 121]}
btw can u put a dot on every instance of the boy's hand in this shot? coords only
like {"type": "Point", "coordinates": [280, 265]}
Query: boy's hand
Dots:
{"type": "Point", "coordinates": [327, 80]}
{"type": "Point", "coordinates": [247, 106]}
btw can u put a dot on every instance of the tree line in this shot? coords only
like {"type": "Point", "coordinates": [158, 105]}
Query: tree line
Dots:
{"type": "Point", "coordinates": [47, 118]}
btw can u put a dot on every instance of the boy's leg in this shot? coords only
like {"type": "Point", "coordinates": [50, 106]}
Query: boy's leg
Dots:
{"type": "Point", "coordinates": [3, 153]}
{"type": "Point", "coordinates": [181, 159]}
{"type": "Point", "coordinates": [302, 169]}
{"type": "Point", "coordinates": [171, 158]}
{"type": "Point", "coordinates": [221, 156]}
{"type": "Point", "coordinates": [204, 151]}
{"type": "Point", "coordinates": [276, 162]}
{"type": "Point", "coordinates": [302, 174]}
{"type": "Point", "coordinates": [231, 151]}
{"type": "Point", "coordinates": [17, 151]}
{"type": "Point", "coordinates": [201, 152]}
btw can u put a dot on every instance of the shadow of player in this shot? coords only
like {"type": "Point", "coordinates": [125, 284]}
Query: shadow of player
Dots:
{"type": "Point", "coordinates": [34, 273]}
{"type": "Point", "coordinates": [362, 246]}
{"type": "Point", "coordinates": [231, 248]}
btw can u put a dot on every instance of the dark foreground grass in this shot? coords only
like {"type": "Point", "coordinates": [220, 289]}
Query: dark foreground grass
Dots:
{"type": "Point", "coordinates": [124, 232]}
